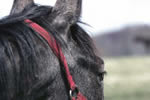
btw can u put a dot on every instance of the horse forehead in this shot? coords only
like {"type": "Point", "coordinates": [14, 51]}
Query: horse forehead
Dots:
{"type": "Point", "coordinates": [71, 54]}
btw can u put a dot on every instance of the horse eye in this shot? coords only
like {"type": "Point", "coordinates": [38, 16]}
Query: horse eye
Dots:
{"type": "Point", "coordinates": [100, 78]}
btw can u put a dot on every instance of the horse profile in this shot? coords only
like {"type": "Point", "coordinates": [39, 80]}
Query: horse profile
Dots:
{"type": "Point", "coordinates": [29, 68]}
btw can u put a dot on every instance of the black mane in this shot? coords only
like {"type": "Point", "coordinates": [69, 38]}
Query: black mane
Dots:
{"type": "Point", "coordinates": [37, 14]}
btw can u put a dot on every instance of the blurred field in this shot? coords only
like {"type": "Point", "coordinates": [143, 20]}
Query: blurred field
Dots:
{"type": "Point", "coordinates": [128, 78]}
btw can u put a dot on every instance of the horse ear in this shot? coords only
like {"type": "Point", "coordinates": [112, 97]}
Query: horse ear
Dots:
{"type": "Point", "coordinates": [19, 5]}
{"type": "Point", "coordinates": [66, 12]}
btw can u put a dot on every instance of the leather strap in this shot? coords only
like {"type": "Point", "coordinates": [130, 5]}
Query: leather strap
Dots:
{"type": "Point", "coordinates": [58, 52]}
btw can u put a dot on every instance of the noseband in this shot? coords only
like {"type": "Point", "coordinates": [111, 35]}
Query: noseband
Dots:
{"type": "Point", "coordinates": [58, 52]}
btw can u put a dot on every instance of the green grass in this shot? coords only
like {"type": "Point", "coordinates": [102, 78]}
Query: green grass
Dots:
{"type": "Point", "coordinates": [128, 78]}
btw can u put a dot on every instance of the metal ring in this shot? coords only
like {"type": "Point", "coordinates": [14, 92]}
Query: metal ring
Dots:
{"type": "Point", "coordinates": [74, 93]}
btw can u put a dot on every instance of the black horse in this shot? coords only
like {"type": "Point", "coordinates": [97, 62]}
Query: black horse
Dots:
{"type": "Point", "coordinates": [29, 69]}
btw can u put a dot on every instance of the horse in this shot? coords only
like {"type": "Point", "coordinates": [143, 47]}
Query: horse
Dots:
{"type": "Point", "coordinates": [29, 67]}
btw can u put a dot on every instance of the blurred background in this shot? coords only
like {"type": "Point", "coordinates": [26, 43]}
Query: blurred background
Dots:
{"type": "Point", "coordinates": [121, 32]}
{"type": "Point", "coordinates": [122, 36]}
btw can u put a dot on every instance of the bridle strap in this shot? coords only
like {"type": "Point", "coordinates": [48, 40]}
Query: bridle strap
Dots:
{"type": "Point", "coordinates": [58, 52]}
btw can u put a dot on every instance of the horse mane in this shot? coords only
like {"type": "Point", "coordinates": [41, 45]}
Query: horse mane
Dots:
{"type": "Point", "coordinates": [17, 39]}
{"type": "Point", "coordinates": [38, 13]}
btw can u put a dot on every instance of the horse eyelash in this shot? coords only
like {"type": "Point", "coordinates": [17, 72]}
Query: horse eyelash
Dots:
{"type": "Point", "coordinates": [101, 75]}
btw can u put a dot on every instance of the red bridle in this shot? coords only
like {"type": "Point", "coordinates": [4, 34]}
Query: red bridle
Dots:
{"type": "Point", "coordinates": [58, 52]}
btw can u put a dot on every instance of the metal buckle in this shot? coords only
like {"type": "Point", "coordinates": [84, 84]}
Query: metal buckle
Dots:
{"type": "Point", "coordinates": [74, 93]}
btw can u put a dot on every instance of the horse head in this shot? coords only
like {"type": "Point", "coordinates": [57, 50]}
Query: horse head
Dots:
{"type": "Point", "coordinates": [30, 69]}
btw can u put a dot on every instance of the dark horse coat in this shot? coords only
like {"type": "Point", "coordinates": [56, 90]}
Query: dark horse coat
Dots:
{"type": "Point", "coordinates": [29, 70]}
